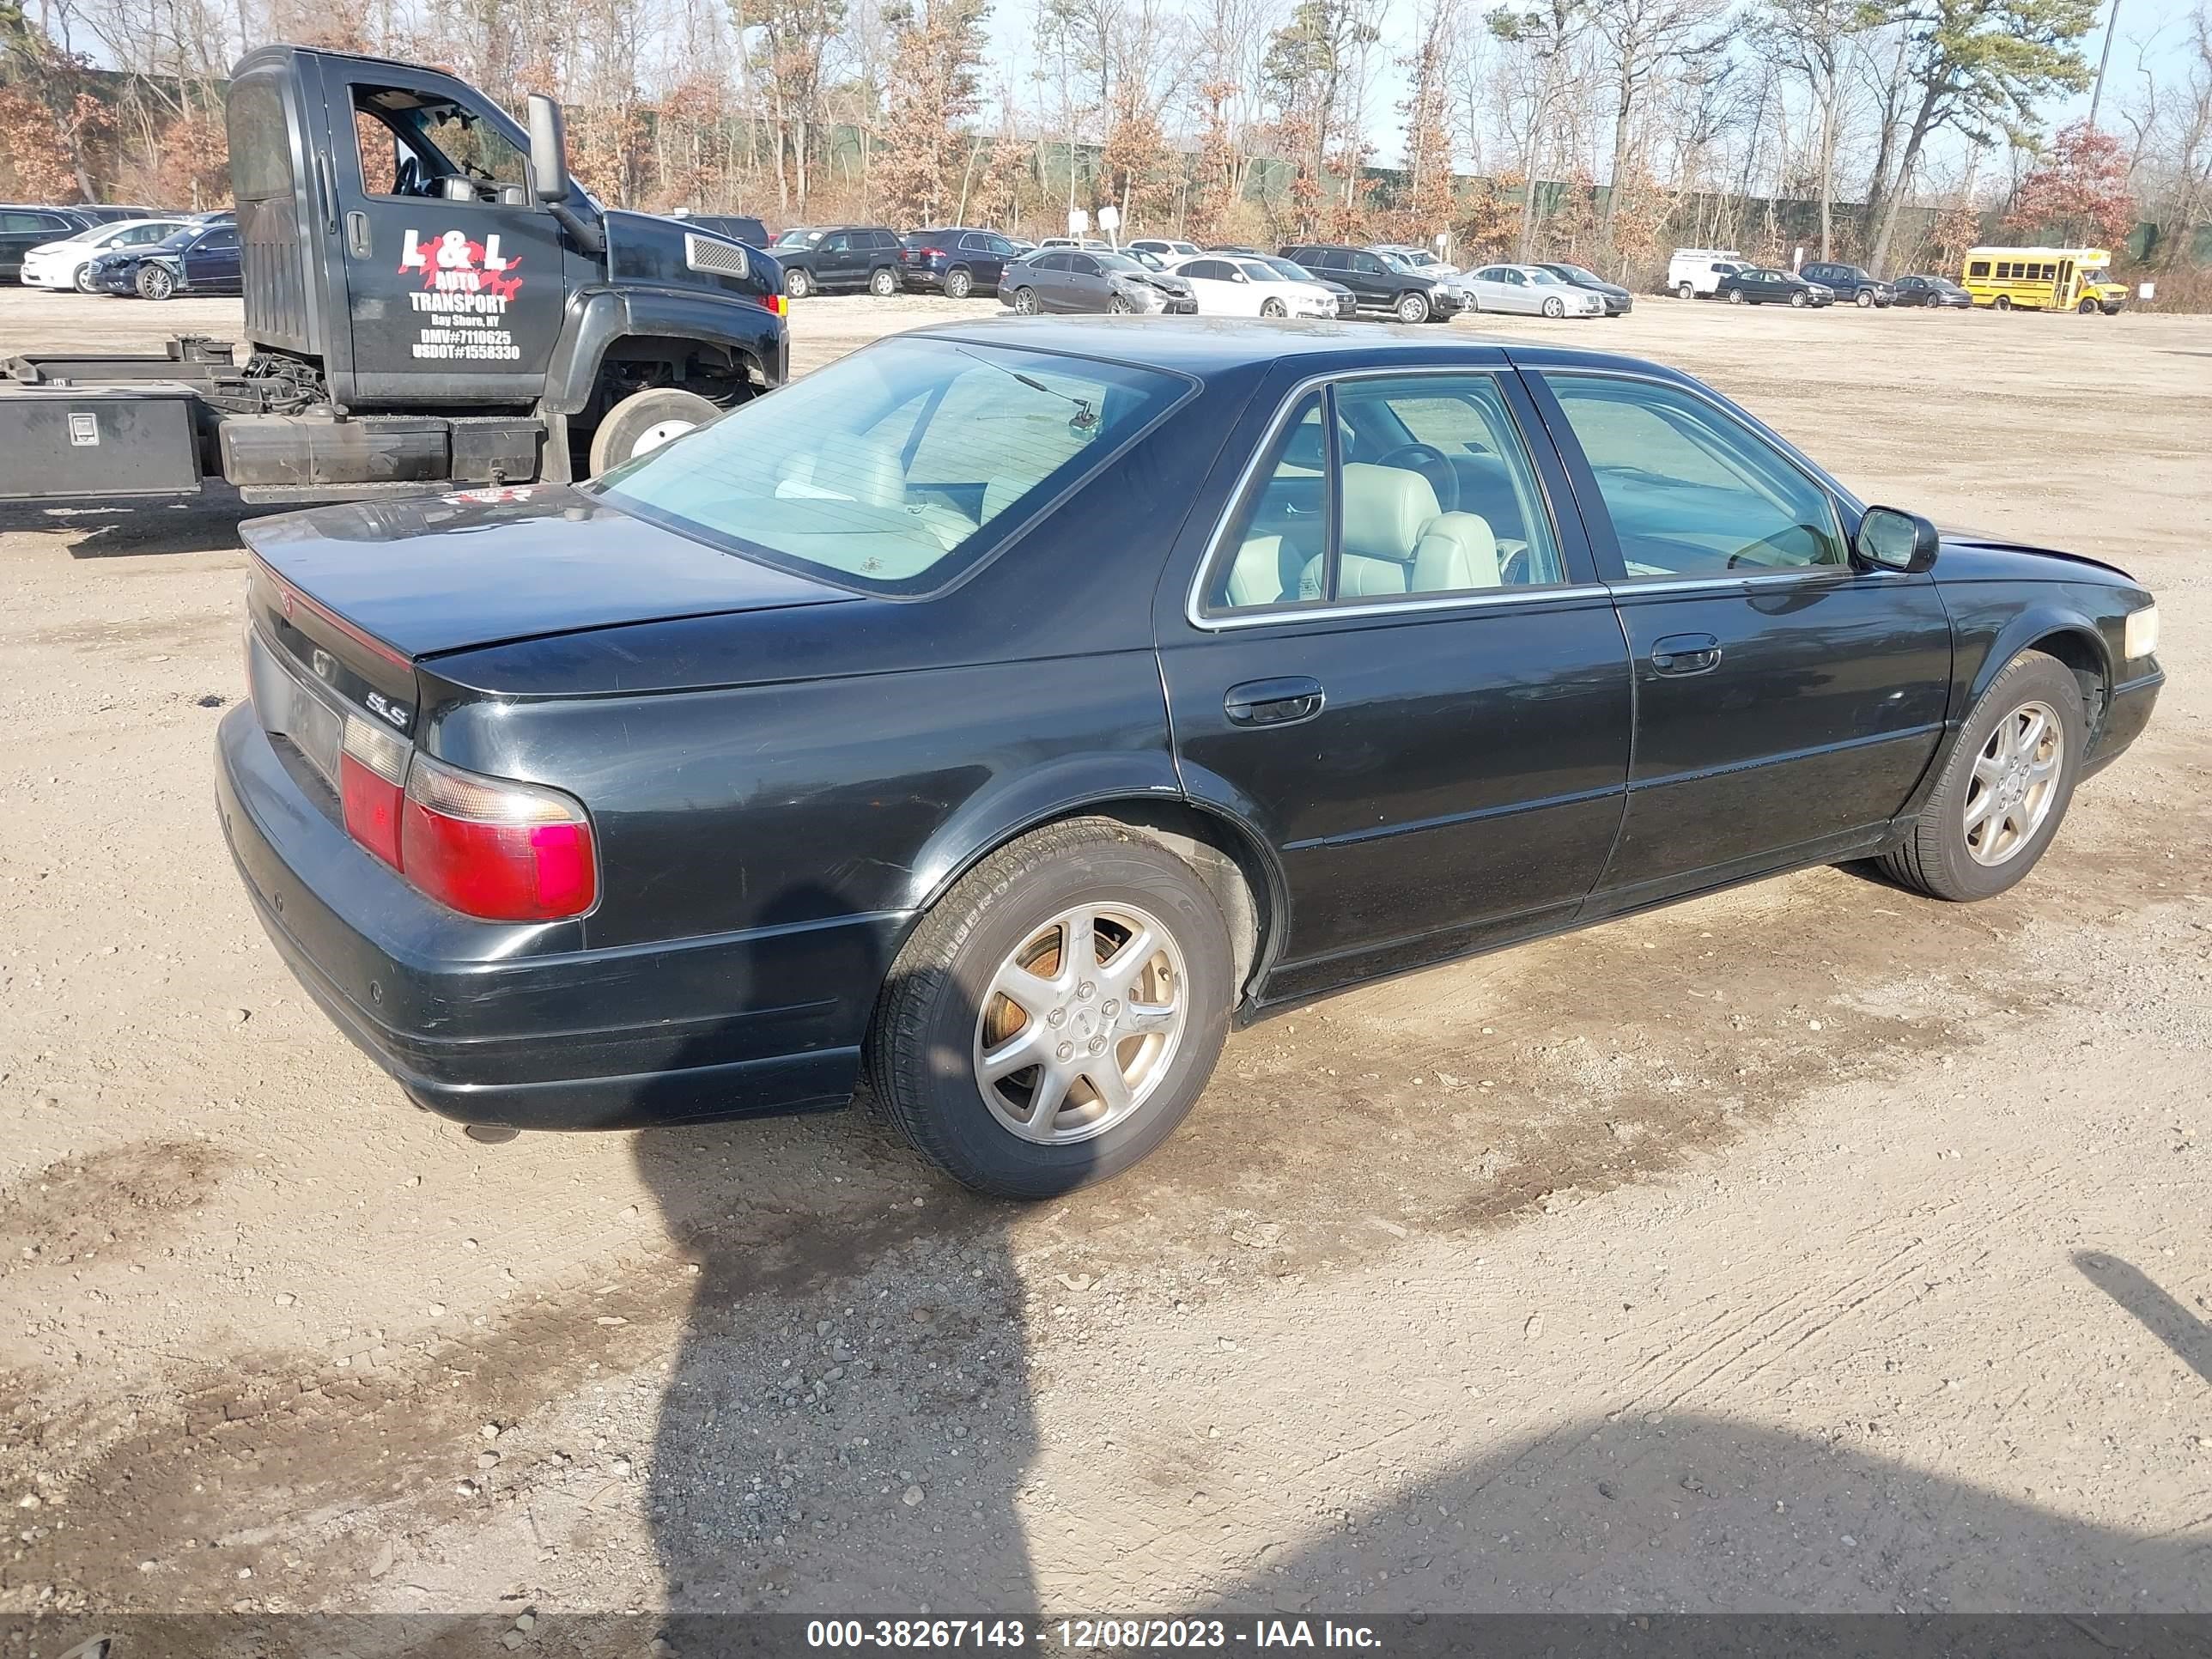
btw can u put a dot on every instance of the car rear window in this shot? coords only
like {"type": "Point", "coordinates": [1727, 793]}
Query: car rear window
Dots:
{"type": "Point", "coordinates": [897, 467]}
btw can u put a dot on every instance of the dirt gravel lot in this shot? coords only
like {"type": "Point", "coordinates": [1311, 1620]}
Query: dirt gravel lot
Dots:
{"type": "Point", "coordinates": [1814, 1247]}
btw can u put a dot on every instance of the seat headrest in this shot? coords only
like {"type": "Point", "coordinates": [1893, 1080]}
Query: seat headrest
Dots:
{"type": "Point", "coordinates": [1384, 510]}
{"type": "Point", "coordinates": [859, 469]}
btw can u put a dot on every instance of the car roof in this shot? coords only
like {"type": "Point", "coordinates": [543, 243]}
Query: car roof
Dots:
{"type": "Point", "coordinates": [1214, 344]}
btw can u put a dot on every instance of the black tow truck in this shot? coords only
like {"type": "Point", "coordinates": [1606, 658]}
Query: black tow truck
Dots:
{"type": "Point", "coordinates": [429, 300]}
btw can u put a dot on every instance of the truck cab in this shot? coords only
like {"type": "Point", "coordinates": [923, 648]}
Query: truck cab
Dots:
{"type": "Point", "coordinates": [429, 298]}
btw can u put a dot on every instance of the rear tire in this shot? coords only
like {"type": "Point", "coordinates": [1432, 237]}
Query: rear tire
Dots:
{"type": "Point", "coordinates": [2003, 303]}
{"type": "Point", "coordinates": [1939, 857]}
{"type": "Point", "coordinates": [81, 278]}
{"type": "Point", "coordinates": [958, 284]}
{"type": "Point", "coordinates": [1413, 307]}
{"type": "Point", "coordinates": [155, 282]}
{"type": "Point", "coordinates": [1026, 302]}
{"type": "Point", "coordinates": [883, 281]}
{"type": "Point", "coordinates": [644, 421]}
{"type": "Point", "coordinates": [798, 284]}
{"type": "Point", "coordinates": [941, 1010]}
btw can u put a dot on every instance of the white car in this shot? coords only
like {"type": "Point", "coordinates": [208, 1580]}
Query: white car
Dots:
{"type": "Point", "coordinates": [1235, 285]}
{"type": "Point", "coordinates": [1531, 289]}
{"type": "Point", "coordinates": [63, 263]}
{"type": "Point", "coordinates": [1165, 247]}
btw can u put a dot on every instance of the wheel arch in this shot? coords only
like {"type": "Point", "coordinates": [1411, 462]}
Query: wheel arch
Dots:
{"type": "Point", "coordinates": [1230, 857]}
{"type": "Point", "coordinates": [601, 322]}
{"type": "Point", "coordinates": [2072, 638]}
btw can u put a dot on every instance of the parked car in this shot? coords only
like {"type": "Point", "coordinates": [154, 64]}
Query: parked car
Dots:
{"type": "Point", "coordinates": [1851, 285]}
{"type": "Point", "coordinates": [1090, 244]}
{"type": "Point", "coordinates": [113, 213]}
{"type": "Point", "coordinates": [1941, 291]}
{"type": "Point", "coordinates": [23, 228]}
{"type": "Point", "coordinates": [953, 261]}
{"type": "Point", "coordinates": [1347, 302]}
{"type": "Point", "coordinates": [1420, 259]}
{"type": "Point", "coordinates": [1696, 272]}
{"type": "Point", "coordinates": [899, 721]}
{"type": "Point", "coordinates": [1225, 286]}
{"type": "Point", "coordinates": [1079, 279]}
{"type": "Point", "coordinates": [1619, 301]}
{"type": "Point", "coordinates": [838, 259]}
{"type": "Point", "coordinates": [1532, 291]}
{"type": "Point", "coordinates": [1762, 285]}
{"type": "Point", "coordinates": [738, 226]}
{"type": "Point", "coordinates": [1163, 247]}
{"type": "Point", "coordinates": [198, 259]}
{"type": "Point", "coordinates": [68, 263]}
{"type": "Point", "coordinates": [1376, 283]}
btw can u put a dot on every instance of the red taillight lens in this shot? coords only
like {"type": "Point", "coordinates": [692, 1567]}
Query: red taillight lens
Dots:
{"type": "Point", "coordinates": [779, 304]}
{"type": "Point", "coordinates": [506, 852]}
{"type": "Point", "coordinates": [932, 253]}
{"type": "Point", "coordinates": [372, 767]}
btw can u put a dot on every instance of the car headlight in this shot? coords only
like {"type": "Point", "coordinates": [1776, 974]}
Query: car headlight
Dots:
{"type": "Point", "coordinates": [2140, 638]}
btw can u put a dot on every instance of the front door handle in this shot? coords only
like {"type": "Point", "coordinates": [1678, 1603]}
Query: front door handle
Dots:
{"type": "Point", "coordinates": [1274, 702]}
{"type": "Point", "coordinates": [1686, 653]}
{"type": "Point", "coordinates": [356, 223]}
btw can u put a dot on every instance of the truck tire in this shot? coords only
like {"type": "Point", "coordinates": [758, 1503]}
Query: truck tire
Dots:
{"type": "Point", "coordinates": [883, 281]}
{"type": "Point", "coordinates": [1684, 291]}
{"type": "Point", "coordinates": [1413, 307]}
{"type": "Point", "coordinates": [797, 284]}
{"type": "Point", "coordinates": [155, 282]}
{"type": "Point", "coordinates": [644, 421]}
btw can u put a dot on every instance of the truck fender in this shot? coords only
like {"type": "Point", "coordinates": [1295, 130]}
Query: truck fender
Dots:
{"type": "Point", "coordinates": [598, 317]}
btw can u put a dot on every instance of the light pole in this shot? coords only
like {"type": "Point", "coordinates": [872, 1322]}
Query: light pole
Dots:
{"type": "Point", "coordinates": [2112, 28]}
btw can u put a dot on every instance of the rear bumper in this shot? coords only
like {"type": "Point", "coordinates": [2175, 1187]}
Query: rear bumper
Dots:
{"type": "Point", "coordinates": [475, 1027]}
{"type": "Point", "coordinates": [910, 278]}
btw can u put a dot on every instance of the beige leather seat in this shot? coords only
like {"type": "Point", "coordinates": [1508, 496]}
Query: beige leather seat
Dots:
{"type": "Point", "coordinates": [1396, 541]}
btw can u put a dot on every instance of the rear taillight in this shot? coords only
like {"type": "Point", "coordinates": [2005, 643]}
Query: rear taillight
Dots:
{"type": "Point", "coordinates": [488, 848]}
{"type": "Point", "coordinates": [932, 253]}
{"type": "Point", "coordinates": [372, 769]}
{"type": "Point", "coordinates": [778, 304]}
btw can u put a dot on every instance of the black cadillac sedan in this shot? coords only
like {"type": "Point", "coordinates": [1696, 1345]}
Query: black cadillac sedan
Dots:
{"type": "Point", "coordinates": [1006, 710]}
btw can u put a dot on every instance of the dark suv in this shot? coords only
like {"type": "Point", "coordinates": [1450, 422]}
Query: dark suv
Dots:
{"type": "Point", "coordinates": [23, 228]}
{"type": "Point", "coordinates": [1377, 281]}
{"type": "Point", "coordinates": [738, 226]}
{"type": "Point", "coordinates": [954, 261]}
{"type": "Point", "coordinates": [1853, 284]}
{"type": "Point", "coordinates": [837, 259]}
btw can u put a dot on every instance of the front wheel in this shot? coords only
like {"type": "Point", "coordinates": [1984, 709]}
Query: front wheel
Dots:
{"type": "Point", "coordinates": [155, 282]}
{"type": "Point", "coordinates": [1057, 1014]}
{"type": "Point", "coordinates": [1026, 302]}
{"type": "Point", "coordinates": [1413, 307]}
{"type": "Point", "coordinates": [1119, 307]}
{"type": "Point", "coordinates": [958, 284]}
{"type": "Point", "coordinates": [798, 284]}
{"type": "Point", "coordinates": [883, 281]}
{"type": "Point", "coordinates": [1272, 308]}
{"type": "Point", "coordinates": [2005, 788]}
{"type": "Point", "coordinates": [1797, 302]}
{"type": "Point", "coordinates": [1555, 306]}
{"type": "Point", "coordinates": [1865, 301]}
{"type": "Point", "coordinates": [644, 421]}
{"type": "Point", "coordinates": [2085, 306]}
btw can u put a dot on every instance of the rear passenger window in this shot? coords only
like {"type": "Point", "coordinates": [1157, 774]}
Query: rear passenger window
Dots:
{"type": "Point", "coordinates": [1430, 491]}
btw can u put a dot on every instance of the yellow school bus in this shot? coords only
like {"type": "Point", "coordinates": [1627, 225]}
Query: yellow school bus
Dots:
{"type": "Point", "coordinates": [2043, 279]}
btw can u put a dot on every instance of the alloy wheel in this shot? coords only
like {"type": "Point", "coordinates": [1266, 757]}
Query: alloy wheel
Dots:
{"type": "Point", "coordinates": [2014, 783]}
{"type": "Point", "coordinates": [1026, 302]}
{"type": "Point", "coordinates": [1081, 1023]}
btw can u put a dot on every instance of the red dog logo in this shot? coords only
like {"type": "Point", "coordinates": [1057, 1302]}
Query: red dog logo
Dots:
{"type": "Point", "coordinates": [456, 264]}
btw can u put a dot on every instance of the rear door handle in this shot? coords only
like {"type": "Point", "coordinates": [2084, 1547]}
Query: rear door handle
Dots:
{"type": "Point", "coordinates": [1686, 653]}
{"type": "Point", "coordinates": [1274, 702]}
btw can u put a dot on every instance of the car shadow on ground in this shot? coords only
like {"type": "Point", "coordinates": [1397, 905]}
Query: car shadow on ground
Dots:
{"type": "Point", "coordinates": [201, 524]}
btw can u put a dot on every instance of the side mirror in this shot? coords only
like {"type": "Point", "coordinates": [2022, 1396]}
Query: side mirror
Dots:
{"type": "Point", "coordinates": [1889, 540]}
{"type": "Point", "coordinates": [548, 149]}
